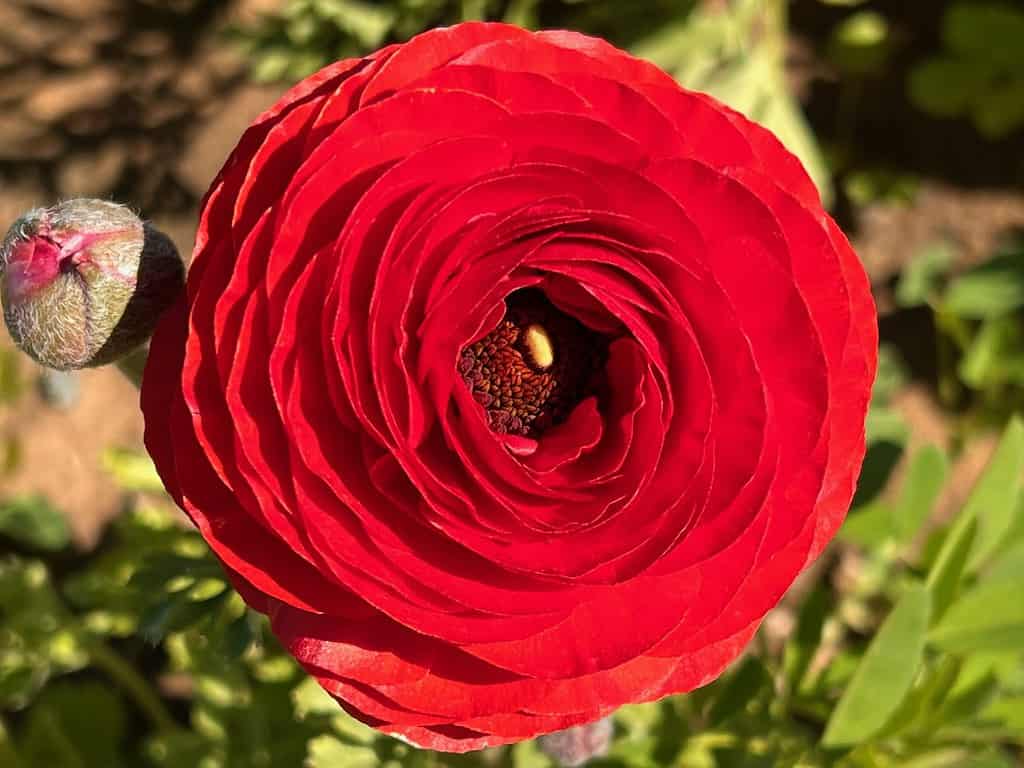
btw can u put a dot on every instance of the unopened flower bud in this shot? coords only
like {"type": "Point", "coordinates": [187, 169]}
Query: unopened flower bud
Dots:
{"type": "Point", "coordinates": [575, 746]}
{"type": "Point", "coordinates": [84, 281]}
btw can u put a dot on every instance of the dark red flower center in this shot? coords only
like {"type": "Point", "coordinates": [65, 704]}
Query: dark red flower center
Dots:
{"type": "Point", "coordinates": [534, 367]}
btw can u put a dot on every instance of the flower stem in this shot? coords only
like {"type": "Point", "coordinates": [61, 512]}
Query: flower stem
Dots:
{"type": "Point", "coordinates": [8, 755]}
{"type": "Point", "coordinates": [140, 692]}
{"type": "Point", "coordinates": [133, 364]}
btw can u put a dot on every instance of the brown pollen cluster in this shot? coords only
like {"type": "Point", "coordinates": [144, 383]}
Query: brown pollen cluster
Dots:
{"type": "Point", "coordinates": [534, 367]}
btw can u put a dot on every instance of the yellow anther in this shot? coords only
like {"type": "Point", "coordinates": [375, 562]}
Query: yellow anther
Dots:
{"type": "Point", "coordinates": [538, 344]}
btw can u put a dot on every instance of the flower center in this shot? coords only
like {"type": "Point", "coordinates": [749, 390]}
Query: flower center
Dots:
{"type": "Point", "coordinates": [534, 367]}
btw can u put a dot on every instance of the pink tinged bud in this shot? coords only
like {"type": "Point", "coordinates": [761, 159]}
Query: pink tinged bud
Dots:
{"type": "Point", "coordinates": [84, 282]}
{"type": "Point", "coordinates": [575, 746]}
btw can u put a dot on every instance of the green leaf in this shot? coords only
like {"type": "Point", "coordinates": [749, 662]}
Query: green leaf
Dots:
{"type": "Point", "coordinates": [31, 521]}
{"type": "Point", "coordinates": [8, 756]}
{"type": "Point", "coordinates": [880, 185]}
{"type": "Point", "coordinates": [1008, 710]}
{"type": "Point", "coordinates": [868, 526]}
{"type": "Point", "coordinates": [736, 54]}
{"type": "Point", "coordinates": [860, 43]}
{"type": "Point", "coordinates": [924, 480]}
{"type": "Point", "coordinates": [953, 757]}
{"type": "Point", "coordinates": [526, 754]}
{"type": "Point", "coordinates": [992, 289]}
{"type": "Point", "coordinates": [132, 470]}
{"type": "Point", "coordinates": [240, 635]}
{"type": "Point", "coordinates": [919, 281]}
{"type": "Point", "coordinates": [739, 689]}
{"type": "Point", "coordinates": [948, 569]}
{"type": "Point", "coordinates": [37, 637]}
{"type": "Point", "coordinates": [805, 640]}
{"type": "Point", "coordinates": [309, 698]}
{"type": "Point", "coordinates": [994, 498]}
{"type": "Point", "coordinates": [983, 359]}
{"type": "Point", "coordinates": [999, 109]}
{"type": "Point", "coordinates": [523, 13]}
{"type": "Point", "coordinates": [11, 385]}
{"type": "Point", "coordinates": [329, 752]}
{"type": "Point", "coordinates": [919, 706]}
{"type": "Point", "coordinates": [892, 374]}
{"type": "Point", "coordinates": [368, 24]}
{"type": "Point", "coordinates": [879, 462]}
{"type": "Point", "coordinates": [182, 749]}
{"type": "Point", "coordinates": [1009, 566]}
{"type": "Point", "coordinates": [943, 86]}
{"type": "Point", "coordinates": [990, 617]}
{"type": "Point", "coordinates": [968, 703]}
{"type": "Point", "coordinates": [990, 31]}
{"type": "Point", "coordinates": [10, 454]}
{"type": "Point", "coordinates": [271, 65]}
{"type": "Point", "coordinates": [884, 675]}
{"type": "Point", "coordinates": [639, 719]}
{"type": "Point", "coordinates": [172, 615]}
{"type": "Point", "coordinates": [352, 731]}
{"type": "Point", "coordinates": [74, 724]}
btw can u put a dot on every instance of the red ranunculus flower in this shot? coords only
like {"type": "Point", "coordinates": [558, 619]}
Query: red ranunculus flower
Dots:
{"type": "Point", "coordinates": [514, 382]}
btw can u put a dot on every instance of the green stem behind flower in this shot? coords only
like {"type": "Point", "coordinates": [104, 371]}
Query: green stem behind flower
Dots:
{"type": "Point", "coordinates": [133, 684]}
{"type": "Point", "coordinates": [133, 364]}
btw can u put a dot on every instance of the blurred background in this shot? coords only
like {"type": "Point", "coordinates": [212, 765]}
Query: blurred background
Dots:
{"type": "Point", "coordinates": [909, 116]}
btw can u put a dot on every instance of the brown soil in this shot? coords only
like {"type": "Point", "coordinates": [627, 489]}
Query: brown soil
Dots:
{"type": "Point", "coordinates": [60, 450]}
{"type": "Point", "coordinates": [134, 100]}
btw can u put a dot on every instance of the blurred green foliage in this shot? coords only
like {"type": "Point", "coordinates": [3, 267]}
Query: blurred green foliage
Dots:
{"type": "Point", "coordinates": [917, 663]}
{"type": "Point", "coordinates": [308, 34]}
{"type": "Point", "coordinates": [734, 51]}
{"type": "Point", "coordinates": [980, 72]}
{"type": "Point", "coordinates": [979, 318]}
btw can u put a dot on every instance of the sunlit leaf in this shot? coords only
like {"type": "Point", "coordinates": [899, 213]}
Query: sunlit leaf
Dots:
{"type": "Point", "coordinates": [859, 43]}
{"type": "Point", "coordinates": [920, 705]}
{"type": "Point", "coordinates": [868, 526]}
{"type": "Point", "coordinates": [884, 675]}
{"type": "Point", "coordinates": [526, 754]}
{"type": "Point", "coordinates": [924, 480]}
{"type": "Point", "coordinates": [969, 702]}
{"type": "Point", "coordinates": [133, 471]}
{"type": "Point", "coordinates": [947, 570]}
{"type": "Point", "coordinates": [988, 617]}
{"type": "Point", "coordinates": [919, 281]}
{"type": "Point", "coordinates": [994, 498]}
{"type": "Point", "coordinates": [1008, 710]}
{"type": "Point", "coordinates": [989, 290]}
{"type": "Point", "coordinates": [329, 752]}
{"type": "Point", "coordinates": [34, 523]}
{"type": "Point", "coordinates": [366, 22]}
{"type": "Point", "coordinates": [736, 53]}
{"type": "Point", "coordinates": [985, 357]}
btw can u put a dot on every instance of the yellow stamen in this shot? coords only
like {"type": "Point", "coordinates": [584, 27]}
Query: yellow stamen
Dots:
{"type": "Point", "coordinates": [538, 344]}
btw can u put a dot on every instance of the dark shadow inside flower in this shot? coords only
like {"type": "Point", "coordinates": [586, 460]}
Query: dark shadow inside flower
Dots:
{"type": "Point", "coordinates": [531, 371]}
